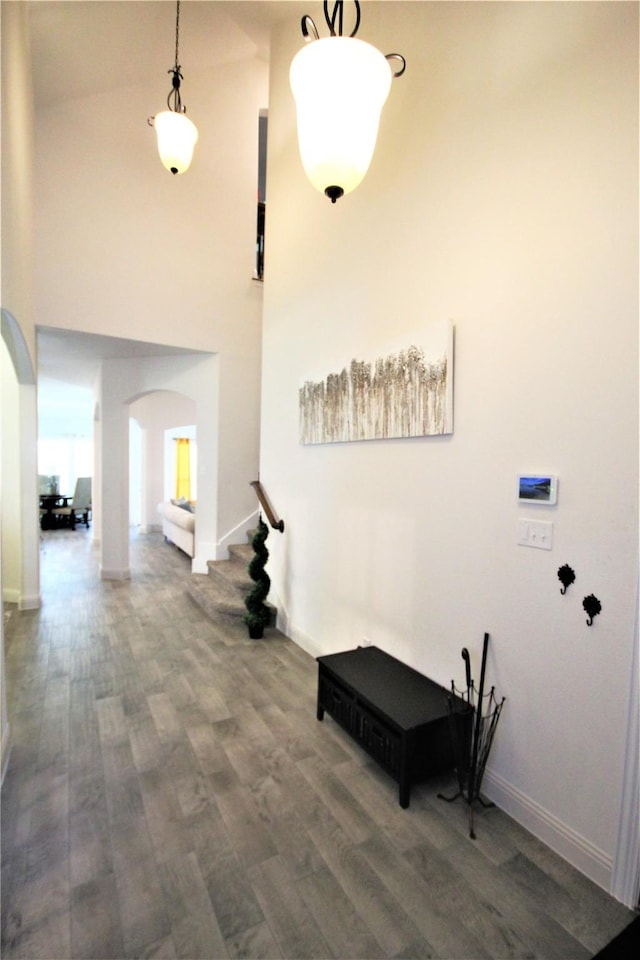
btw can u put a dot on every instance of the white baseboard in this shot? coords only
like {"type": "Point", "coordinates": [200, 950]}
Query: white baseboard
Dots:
{"type": "Point", "coordinates": [107, 573]}
{"type": "Point", "coordinates": [150, 527]}
{"type": "Point", "coordinates": [558, 836]}
{"type": "Point", "coordinates": [301, 639]}
{"type": "Point", "coordinates": [562, 839]}
{"type": "Point", "coordinates": [30, 601]}
{"type": "Point", "coordinates": [23, 601]}
{"type": "Point", "coordinates": [204, 553]}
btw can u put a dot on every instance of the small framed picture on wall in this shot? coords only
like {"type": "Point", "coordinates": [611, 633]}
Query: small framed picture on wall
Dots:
{"type": "Point", "coordinates": [537, 488]}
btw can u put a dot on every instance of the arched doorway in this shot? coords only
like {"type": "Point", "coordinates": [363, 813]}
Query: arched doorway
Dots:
{"type": "Point", "coordinates": [156, 414]}
{"type": "Point", "coordinates": [18, 430]}
{"type": "Point", "coordinates": [19, 560]}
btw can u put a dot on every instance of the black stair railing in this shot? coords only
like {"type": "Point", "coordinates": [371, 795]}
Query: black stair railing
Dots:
{"type": "Point", "coordinates": [266, 506]}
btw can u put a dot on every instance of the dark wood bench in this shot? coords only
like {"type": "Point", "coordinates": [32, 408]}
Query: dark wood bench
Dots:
{"type": "Point", "coordinates": [400, 717]}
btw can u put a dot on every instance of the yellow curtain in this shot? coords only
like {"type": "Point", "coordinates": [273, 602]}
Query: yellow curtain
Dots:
{"type": "Point", "coordinates": [183, 469]}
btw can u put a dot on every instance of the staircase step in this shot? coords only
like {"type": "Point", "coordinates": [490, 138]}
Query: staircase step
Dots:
{"type": "Point", "coordinates": [230, 571]}
{"type": "Point", "coordinates": [221, 602]}
{"type": "Point", "coordinates": [243, 552]}
{"type": "Point", "coordinates": [221, 591]}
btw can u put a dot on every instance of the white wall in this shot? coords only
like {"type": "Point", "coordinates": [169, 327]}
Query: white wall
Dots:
{"type": "Point", "coordinates": [11, 494]}
{"type": "Point", "coordinates": [136, 438]}
{"type": "Point", "coordinates": [19, 511]}
{"type": "Point", "coordinates": [149, 255]}
{"type": "Point", "coordinates": [17, 170]}
{"type": "Point", "coordinates": [18, 333]}
{"type": "Point", "coordinates": [158, 258]}
{"type": "Point", "coordinates": [502, 196]}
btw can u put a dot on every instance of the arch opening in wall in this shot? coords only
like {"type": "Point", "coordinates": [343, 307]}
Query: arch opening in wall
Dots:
{"type": "Point", "coordinates": [19, 558]}
{"type": "Point", "coordinates": [17, 348]}
{"type": "Point", "coordinates": [156, 418]}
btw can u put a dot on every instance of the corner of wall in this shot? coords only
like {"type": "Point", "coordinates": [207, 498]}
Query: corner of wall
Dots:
{"type": "Point", "coordinates": [30, 601]}
{"type": "Point", "coordinates": [567, 843]}
{"type": "Point", "coordinates": [301, 639]}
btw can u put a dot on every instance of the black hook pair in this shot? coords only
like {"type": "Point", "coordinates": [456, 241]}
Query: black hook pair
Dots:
{"type": "Point", "coordinates": [591, 604]}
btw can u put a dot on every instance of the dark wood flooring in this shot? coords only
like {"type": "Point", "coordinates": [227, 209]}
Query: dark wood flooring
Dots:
{"type": "Point", "coordinates": [170, 793]}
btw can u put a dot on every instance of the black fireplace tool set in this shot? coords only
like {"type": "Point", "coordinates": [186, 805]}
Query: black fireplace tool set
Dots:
{"type": "Point", "coordinates": [472, 729]}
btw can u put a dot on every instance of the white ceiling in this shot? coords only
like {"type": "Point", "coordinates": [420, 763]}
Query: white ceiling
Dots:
{"type": "Point", "coordinates": [85, 47]}
{"type": "Point", "coordinates": [68, 364]}
{"type": "Point", "coordinates": [66, 355]}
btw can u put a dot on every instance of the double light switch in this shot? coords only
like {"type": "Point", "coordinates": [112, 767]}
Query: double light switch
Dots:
{"type": "Point", "coordinates": [535, 533]}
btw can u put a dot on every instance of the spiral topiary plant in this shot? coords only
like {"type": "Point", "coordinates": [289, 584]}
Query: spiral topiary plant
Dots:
{"type": "Point", "coordinates": [258, 614]}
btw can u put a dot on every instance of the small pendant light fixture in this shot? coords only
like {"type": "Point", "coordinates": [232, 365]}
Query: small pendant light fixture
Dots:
{"type": "Point", "coordinates": [340, 85]}
{"type": "Point", "coordinates": [176, 134]}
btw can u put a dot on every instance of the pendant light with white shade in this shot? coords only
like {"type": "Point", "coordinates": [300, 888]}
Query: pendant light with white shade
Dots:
{"type": "Point", "coordinates": [340, 85]}
{"type": "Point", "coordinates": [176, 133]}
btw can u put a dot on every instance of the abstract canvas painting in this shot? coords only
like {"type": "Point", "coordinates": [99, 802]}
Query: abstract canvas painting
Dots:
{"type": "Point", "coordinates": [407, 393]}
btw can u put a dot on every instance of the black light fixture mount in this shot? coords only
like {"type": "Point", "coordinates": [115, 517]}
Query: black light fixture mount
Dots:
{"type": "Point", "coordinates": [310, 31]}
{"type": "Point", "coordinates": [174, 94]}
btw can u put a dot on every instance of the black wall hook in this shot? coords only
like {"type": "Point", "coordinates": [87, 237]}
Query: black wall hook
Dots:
{"type": "Point", "coordinates": [592, 607]}
{"type": "Point", "coordinates": [566, 577]}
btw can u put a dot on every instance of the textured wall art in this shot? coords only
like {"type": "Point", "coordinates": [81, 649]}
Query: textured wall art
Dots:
{"type": "Point", "coordinates": [404, 394]}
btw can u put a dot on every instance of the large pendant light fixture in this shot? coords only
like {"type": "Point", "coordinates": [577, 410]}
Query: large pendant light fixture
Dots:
{"type": "Point", "coordinates": [340, 85]}
{"type": "Point", "coordinates": [176, 134]}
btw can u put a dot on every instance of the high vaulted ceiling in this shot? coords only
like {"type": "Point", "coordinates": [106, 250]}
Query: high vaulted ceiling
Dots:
{"type": "Point", "coordinates": [80, 48]}
{"type": "Point", "coordinates": [83, 47]}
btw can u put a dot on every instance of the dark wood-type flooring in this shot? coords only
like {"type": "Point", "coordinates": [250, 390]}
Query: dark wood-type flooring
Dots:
{"type": "Point", "coordinates": [170, 793]}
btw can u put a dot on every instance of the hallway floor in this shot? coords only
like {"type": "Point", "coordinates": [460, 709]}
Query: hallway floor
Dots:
{"type": "Point", "coordinates": [170, 793]}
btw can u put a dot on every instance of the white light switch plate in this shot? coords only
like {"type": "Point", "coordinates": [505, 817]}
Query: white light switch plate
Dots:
{"type": "Point", "coordinates": [535, 533]}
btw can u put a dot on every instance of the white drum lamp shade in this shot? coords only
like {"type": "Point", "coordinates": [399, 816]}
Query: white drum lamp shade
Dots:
{"type": "Point", "coordinates": [340, 85]}
{"type": "Point", "coordinates": [177, 137]}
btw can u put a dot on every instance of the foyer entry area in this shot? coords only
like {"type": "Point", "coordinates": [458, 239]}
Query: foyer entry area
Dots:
{"type": "Point", "coordinates": [170, 793]}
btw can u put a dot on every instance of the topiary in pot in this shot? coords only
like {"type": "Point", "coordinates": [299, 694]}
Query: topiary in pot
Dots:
{"type": "Point", "coordinates": [257, 615]}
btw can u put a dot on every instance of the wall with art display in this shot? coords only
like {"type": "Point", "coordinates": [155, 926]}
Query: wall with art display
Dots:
{"type": "Point", "coordinates": [403, 394]}
{"type": "Point", "coordinates": [502, 198]}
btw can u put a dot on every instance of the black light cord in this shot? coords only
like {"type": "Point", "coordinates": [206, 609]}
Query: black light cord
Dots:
{"type": "Point", "coordinates": [177, 75]}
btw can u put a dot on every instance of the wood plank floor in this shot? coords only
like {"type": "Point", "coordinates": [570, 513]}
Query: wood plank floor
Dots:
{"type": "Point", "coordinates": [170, 793]}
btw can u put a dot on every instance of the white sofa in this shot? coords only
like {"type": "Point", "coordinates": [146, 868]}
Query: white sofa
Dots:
{"type": "Point", "coordinates": [178, 525]}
